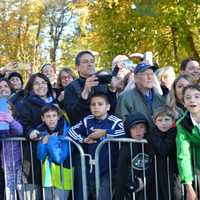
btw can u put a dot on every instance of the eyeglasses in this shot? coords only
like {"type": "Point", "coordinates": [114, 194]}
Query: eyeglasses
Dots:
{"type": "Point", "coordinates": [65, 77]}
{"type": "Point", "coordinates": [86, 61]}
{"type": "Point", "coordinates": [15, 78]}
{"type": "Point", "coordinates": [40, 83]}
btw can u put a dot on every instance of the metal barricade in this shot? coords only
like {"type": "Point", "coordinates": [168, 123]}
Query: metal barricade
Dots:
{"type": "Point", "coordinates": [83, 167]}
{"type": "Point", "coordinates": [156, 188]}
{"type": "Point", "coordinates": [34, 170]}
{"type": "Point", "coordinates": [97, 155]}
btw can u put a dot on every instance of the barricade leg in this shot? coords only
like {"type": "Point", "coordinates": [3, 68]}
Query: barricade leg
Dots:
{"type": "Point", "coordinates": [31, 173]}
{"type": "Point", "coordinates": [78, 185]}
{"type": "Point", "coordinates": [79, 191]}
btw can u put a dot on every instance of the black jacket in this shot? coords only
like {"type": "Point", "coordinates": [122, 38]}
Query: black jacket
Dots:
{"type": "Point", "coordinates": [29, 110]}
{"type": "Point", "coordinates": [15, 98]}
{"type": "Point", "coordinates": [78, 108]}
{"type": "Point", "coordinates": [129, 166]}
{"type": "Point", "coordinates": [164, 145]}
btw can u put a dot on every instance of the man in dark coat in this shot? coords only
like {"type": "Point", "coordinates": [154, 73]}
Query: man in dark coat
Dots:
{"type": "Point", "coordinates": [78, 92]}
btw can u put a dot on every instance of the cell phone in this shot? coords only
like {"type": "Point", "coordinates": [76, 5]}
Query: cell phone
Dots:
{"type": "Point", "coordinates": [148, 57]}
{"type": "Point", "coordinates": [128, 64]}
{"type": "Point", "coordinates": [4, 108]}
{"type": "Point", "coordinates": [104, 78]}
{"type": "Point", "coordinates": [3, 104]}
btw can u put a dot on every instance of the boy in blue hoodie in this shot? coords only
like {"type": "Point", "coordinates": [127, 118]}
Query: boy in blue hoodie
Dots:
{"type": "Point", "coordinates": [53, 152]}
{"type": "Point", "coordinates": [91, 131]}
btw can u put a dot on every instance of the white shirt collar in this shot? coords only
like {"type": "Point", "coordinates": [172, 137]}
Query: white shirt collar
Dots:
{"type": "Point", "coordinates": [194, 122]}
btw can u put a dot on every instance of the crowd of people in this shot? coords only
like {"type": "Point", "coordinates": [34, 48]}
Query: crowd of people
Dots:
{"type": "Point", "coordinates": [137, 102]}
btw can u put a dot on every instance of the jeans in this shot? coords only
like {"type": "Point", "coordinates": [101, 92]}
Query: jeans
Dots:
{"type": "Point", "coordinates": [50, 193]}
{"type": "Point", "coordinates": [13, 183]}
{"type": "Point", "coordinates": [31, 192]}
{"type": "Point", "coordinates": [104, 189]}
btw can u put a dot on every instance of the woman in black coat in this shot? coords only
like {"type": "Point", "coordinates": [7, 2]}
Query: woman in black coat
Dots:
{"type": "Point", "coordinates": [38, 92]}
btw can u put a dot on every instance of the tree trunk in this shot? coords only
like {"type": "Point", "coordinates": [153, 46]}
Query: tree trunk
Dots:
{"type": "Point", "coordinates": [173, 31]}
{"type": "Point", "coordinates": [193, 51]}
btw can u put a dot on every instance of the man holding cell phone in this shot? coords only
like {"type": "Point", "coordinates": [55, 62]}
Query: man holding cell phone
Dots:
{"type": "Point", "coordinates": [78, 92]}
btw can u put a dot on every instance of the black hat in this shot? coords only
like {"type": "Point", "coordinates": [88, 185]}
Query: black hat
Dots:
{"type": "Point", "coordinates": [15, 74]}
{"type": "Point", "coordinates": [134, 119]}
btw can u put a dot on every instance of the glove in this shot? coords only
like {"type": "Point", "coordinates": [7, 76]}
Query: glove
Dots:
{"type": "Point", "coordinates": [34, 134]}
{"type": "Point", "coordinates": [136, 186]}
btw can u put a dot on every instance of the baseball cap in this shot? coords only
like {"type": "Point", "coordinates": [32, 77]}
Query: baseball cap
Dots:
{"type": "Point", "coordinates": [142, 67]}
{"type": "Point", "coordinates": [15, 74]}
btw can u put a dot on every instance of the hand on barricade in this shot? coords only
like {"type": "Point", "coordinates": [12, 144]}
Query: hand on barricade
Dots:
{"type": "Point", "coordinates": [94, 136]}
{"type": "Point", "coordinates": [6, 117]}
{"type": "Point", "coordinates": [34, 135]}
{"type": "Point", "coordinates": [97, 133]}
{"type": "Point", "coordinates": [89, 141]}
{"type": "Point", "coordinates": [136, 186]}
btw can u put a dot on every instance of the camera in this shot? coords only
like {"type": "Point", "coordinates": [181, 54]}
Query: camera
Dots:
{"type": "Point", "coordinates": [104, 78]}
{"type": "Point", "coordinates": [115, 71]}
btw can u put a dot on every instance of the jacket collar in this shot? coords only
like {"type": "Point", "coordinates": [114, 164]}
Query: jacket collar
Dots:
{"type": "Point", "coordinates": [82, 79]}
{"type": "Point", "coordinates": [151, 91]}
{"type": "Point", "coordinates": [43, 128]}
{"type": "Point", "coordinates": [186, 122]}
{"type": "Point", "coordinates": [172, 130]}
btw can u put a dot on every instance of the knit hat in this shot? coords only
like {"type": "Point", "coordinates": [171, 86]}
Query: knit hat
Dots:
{"type": "Point", "coordinates": [15, 74]}
{"type": "Point", "coordinates": [134, 119]}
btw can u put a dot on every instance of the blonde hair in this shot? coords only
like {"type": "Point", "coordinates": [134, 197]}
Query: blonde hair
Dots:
{"type": "Point", "coordinates": [163, 71]}
{"type": "Point", "coordinates": [171, 97]}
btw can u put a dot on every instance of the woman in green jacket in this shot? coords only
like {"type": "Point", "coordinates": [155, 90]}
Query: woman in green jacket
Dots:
{"type": "Point", "coordinates": [188, 141]}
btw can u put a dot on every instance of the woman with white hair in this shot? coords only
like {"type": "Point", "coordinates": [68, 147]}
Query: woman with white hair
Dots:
{"type": "Point", "coordinates": [166, 77]}
{"type": "Point", "coordinates": [124, 76]}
